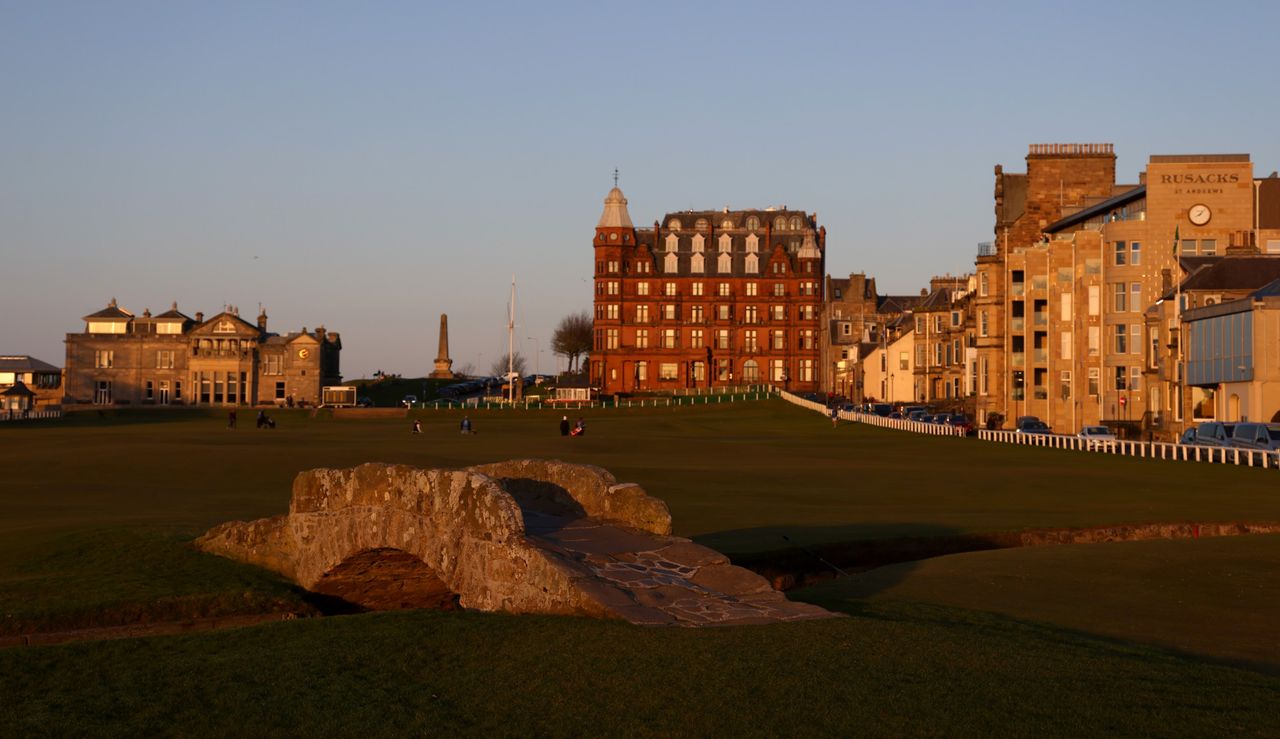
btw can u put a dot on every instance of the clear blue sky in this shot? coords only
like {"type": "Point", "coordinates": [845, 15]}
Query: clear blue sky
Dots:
{"type": "Point", "coordinates": [368, 166]}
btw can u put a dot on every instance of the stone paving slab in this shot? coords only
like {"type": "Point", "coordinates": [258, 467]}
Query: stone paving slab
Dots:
{"type": "Point", "coordinates": [662, 580]}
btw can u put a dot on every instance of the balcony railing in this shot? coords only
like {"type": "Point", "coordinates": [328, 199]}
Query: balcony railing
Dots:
{"type": "Point", "coordinates": [1017, 324]}
{"type": "Point", "coordinates": [1018, 359]}
{"type": "Point", "coordinates": [1040, 356]}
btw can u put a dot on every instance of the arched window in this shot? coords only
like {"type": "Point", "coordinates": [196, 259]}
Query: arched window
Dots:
{"type": "Point", "coordinates": [701, 225]}
{"type": "Point", "coordinates": [724, 264]}
{"type": "Point", "coordinates": [726, 243]}
{"type": "Point", "coordinates": [674, 224]}
{"type": "Point", "coordinates": [673, 243]}
{"type": "Point", "coordinates": [670, 263]}
{"type": "Point", "coordinates": [753, 223]}
{"type": "Point", "coordinates": [780, 224]}
{"type": "Point", "coordinates": [752, 264]}
{"type": "Point", "coordinates": [795, 223]}
{"type": "Point", "coordinates": [750, 371]}
{"type": "Point", "coordinates": [726, 224]}
{"type": "Point", "coordinates": [696, 263]}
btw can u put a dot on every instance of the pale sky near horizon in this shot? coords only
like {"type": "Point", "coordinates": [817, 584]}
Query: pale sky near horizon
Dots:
{"type": "Point", "coordinates": [369, 166]}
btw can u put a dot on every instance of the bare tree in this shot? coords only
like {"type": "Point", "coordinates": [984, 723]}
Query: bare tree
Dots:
{"type": "Point", "coordinates": [518, 365]}
{"type": "Point", "coordinates": [468, 370]}
{"type": "Point", "coordinates": [572, 338]}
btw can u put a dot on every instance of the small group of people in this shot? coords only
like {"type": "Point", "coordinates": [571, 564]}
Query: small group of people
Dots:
{"type": "Point", "coordinates": [264, 421]}
{"type": "Point", "coordinates": [578, 428]}
{"type": "Point", "coordinates": [465, 426]}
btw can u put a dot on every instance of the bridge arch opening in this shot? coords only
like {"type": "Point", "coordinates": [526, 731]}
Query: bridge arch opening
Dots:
{"type": "Point", "coordinates": [386, 579]}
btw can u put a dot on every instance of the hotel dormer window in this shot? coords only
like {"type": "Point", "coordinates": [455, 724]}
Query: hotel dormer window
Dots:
{"type": "Point", "coordinates": [701, 225]}
{"type": "Point", "coordinates": [780, 224]}
{"type": "Point", "coordinates": [674, 224]}
{"type": "Point", "coordinates": [726, 224]}
{"type": "Point", "coordinates": [795, 223]}
{"type": "Point", "coordinates": [753, 223]}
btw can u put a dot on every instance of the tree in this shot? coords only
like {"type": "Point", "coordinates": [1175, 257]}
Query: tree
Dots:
{"type": "Point", "coordinates": [572, 338]}
{"type": "Point", "coordinates": [500, 365]}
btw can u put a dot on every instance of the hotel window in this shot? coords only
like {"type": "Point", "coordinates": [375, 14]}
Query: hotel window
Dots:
{"type": "Point", "coordinates": [642, 268]}
{"type": "Point", "coordinates": [1121, 253]}
{"type": "Point", "coordinates": [170, 327]}
{"type": "Point", "coordinates": [177, 390]}
{"type": "Point", "coordinates": [669, 312]}
{"type": "Point", "coordinates": [983, 374]}
{"type": "Point", "coordinates": [642, 371]}
{"type": "Point", "coordinates": [612, 287]}
{"type": "Point", "coordinates": [751, 314]}
{"type": "Point", "coordinates": [779, 339]}
{"type": "Point", "coordinates": [806, 370]}
{"type": "Point", "coordinates": [1135, 296]}
{"type": "Point", "coordinates": [937, 324]}
{"type": "Point", "coordinates": [722, 312]}
{"type": "Point", "coordinates": [808, 288]}
{"type": "Point", "coordinates": [1094, 299]}
{"type": "Point", "coordinates": [753, 289]}
{"type": "Point", "coordinates": [1093, 341]}
{"type": "Point", "coordinates": [669, 289]}
{"type": "Point", "coordinates": [1065, 307]}
{"type": "Point", "coordinates": [1122, 379]}
{"type": "Point", "coordinates": [699, 371]}
{"type": "Point", "coordinates": [750, 371]}
{"type": "Point", "coordinates": [695, 338]}
{"type": "Point", "coordinates": [777, 370]}
{"type": "Point", "coordinates": [920, 324]}
{"type": "Point", "coordinates": [1122, 339]}
{"type": "Point", "coordinates": [807, 340]}
{"type": "Point", "coordinates": [749, 341]}
{"type": "Point", "coordinates": [697, 288]}
{"type": "Point", "coordinates": [150, 392]}
{"type": "Point", "coordinates": [778, 312]}
{"type": "Point", "coordinates": [642, 338]}
{"type": "Point", "coordinates": [611, 338]}
{"type": "Point", "coordinates": [104, 359]}
{"type": "Point", "coordinates": [1065, 346]}
{"type": "Point", "coordinates": [1135, 253]}
{"type": "Point", "coordinates": [642, 313]}
{"type": "Point", "coordinates": [1093, 381]}
{"type": "Point", "coordinates": [808, 312]}
{"type": "Point", "coordinates": [722, 338]}
{"type": "Point", "coordinates": [164, 359]}
{"type": "Point", "coordinates": [722, 289]}
{"type": "Point", "coordinates": [697, 263]}
{"type": "Point", "coordinates": [612, 311]}
{"type": "Point", "coordinates": [642, 288]}
{"type": "Point", "coordinates": [724, 370]}
{"type": "Point", "coordinates": [696, 314]}
{"type": "Point", "coordinates": [1135, 378]}
{"type": "Point", "coordinates": [1065, 385]}
{"type": "Point", "coordinates": [1208, 247]}
{"type": "Point", "coordinates": [670, 338]}
{"type": "Point", "coordinates": [279, 391]}
{"type": "Point", "coordinates": [983, 284]}
{"type": "Point", "coordinates": [920, 357]}
{"type": "Point", "coordinates": [1119, 303]}
{"type": "Point", "coordinates": [613, 267]}
{"type": "Point", "coordinates": [724, 263]}
{"type": "Point", "coordinates": [1187, 248]}
{"type": "Point", "coordinates": [668, 371]}
{"type": "Point", "coordinates": [779, 289]}
{"type": "Point", "coordinates": [779, 268]}
{"type": "Point", "coordinates": [937, 354]}
{"type": "Point", "coordinates": [271, 364]}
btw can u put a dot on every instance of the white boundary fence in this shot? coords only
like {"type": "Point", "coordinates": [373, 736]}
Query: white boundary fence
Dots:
{"type": "Point", "coordinates": [1140, 449]}
{"type": "Point", "coordinates": [739, 395]}
{"type": "Point", "coordinates": [28, 416]}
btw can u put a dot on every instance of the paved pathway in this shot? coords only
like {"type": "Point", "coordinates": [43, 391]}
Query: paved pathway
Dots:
{"type": "Point", "coordinates": [661, 580]}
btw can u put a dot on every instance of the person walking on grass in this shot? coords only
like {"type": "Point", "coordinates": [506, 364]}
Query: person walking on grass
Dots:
{"type": "Point", "coordinates": [465, 426]}
{"type": "Point", "coordinates": [564, 426]}
{"type": "Point", "coordinates": [231, 419]}
{"type": "Point", "coordinates": [835, 416]}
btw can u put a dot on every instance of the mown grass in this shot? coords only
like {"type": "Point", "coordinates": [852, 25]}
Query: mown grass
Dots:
{"type": "Point", "coordinates": [96, 513]}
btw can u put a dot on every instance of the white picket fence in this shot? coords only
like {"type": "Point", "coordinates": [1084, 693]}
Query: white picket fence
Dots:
{"type": "Point", "coordinates": [28, 416]}
{"type": "Point", "coordinates": [1140, 449]}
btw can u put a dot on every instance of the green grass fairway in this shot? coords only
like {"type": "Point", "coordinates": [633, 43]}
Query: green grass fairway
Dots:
{"type": "Point", "coordinates": [1216, 597]}
{"type": "Point", "coordinates": [96, 514]}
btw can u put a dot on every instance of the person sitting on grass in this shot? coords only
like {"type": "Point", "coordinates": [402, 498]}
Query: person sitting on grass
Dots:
{"type": "Point", "coordinates": [417, 426]}
{"type": "Point", "coordinates": [579, 428]}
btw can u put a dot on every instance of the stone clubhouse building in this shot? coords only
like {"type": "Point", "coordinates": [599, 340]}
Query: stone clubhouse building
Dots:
{"type": "Point", "coordinates": [174, 359]}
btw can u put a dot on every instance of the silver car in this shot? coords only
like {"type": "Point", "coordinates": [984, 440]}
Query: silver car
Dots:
{"type": "Point", "coordinates": [1097, 437]}
{"type": "Point", "coordinates": [1263, 436]}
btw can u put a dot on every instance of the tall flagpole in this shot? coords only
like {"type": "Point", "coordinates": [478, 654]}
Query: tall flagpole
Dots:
{"type": "Point", "coordinates": [511, 344]}
{"type": "Point", "coordinates": [1177, 322]}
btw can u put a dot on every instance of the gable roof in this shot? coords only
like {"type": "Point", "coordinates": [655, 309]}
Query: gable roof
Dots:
{"type": "Point", "coordinates": [1097, 209]}
{"type": "Point", "coordinates": [1234, 273]}
{"type": "Point", "coordinates": [112, 311]}
{"type": "Point", "coordinates": [24, 363]}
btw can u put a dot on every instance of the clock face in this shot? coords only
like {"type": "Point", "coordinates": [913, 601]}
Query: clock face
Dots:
{"type": "Point", "coordinates": [304, 353]}
{"type": "Point", "coordinates": [1199, 214]}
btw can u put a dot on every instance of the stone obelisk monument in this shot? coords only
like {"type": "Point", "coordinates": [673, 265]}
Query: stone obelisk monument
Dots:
{"type": "Point", "coordinates": [443, 370]}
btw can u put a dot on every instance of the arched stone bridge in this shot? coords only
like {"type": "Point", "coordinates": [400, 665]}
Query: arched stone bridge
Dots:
{"type": "Point", "coordinates": [523, 536]}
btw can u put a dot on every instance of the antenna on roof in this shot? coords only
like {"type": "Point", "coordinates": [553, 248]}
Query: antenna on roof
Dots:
{"type": "Point", "coordinates": [615, 176]}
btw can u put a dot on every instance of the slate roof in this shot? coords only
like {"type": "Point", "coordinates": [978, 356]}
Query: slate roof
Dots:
{"type": "Point", "coordinates": [1234, 273]}
{"type": "Point", "coordinates": [111, 311]}
{"type": "Point", "coordinates": [24, 363]}
{"type": "Point", "coordinates": [1098, 209]}
{"type": "Point", "coordinates": [897, 303]}
{"type": "Point", "coordinates": [18, 389]}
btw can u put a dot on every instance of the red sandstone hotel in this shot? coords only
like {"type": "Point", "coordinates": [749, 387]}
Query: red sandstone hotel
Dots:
{"type": "Point", "coordinates": [707, 299]}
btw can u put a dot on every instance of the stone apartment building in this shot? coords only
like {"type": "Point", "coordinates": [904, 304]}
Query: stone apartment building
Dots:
{"type": "Point", "coordinates": [857, 321]}
{"type": "Point", "coordinates": [706, 299]}
{"type": "Point", "coordinates": [39, 383]}
{"type": "Point", "coordinates": [173, 359]}
{"type": "Point", "coordinates": [1068, 324]}
{"type": "Point", "coordinates": [944, 343]}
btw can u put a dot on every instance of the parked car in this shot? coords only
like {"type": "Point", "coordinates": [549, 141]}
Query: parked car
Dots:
{"type": "Point", "coordinates": [1097, 437]}
{"type": "Point", "coordinates": [961, 421]}
{"type": "Point", "coordinates": [895, 416]}
{"type": "Point", "coordinates": [1214, 433]}
{"type": "Point", "coordinates": [409, 400]}
{"type": "Point", "coordinates": [1032, 425]}
{"type": "Point", "coordinates": [1262, 436]}
{"type": "Point", "coordinates": [916, 414]}
{"type": "Point", "coordinates": [1188, 436]}
{"type": "Point", "coordinates": [364, 402]}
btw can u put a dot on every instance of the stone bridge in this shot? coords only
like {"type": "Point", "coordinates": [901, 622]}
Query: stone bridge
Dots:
{"type": "Point", "coordinates": [523, 536]}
